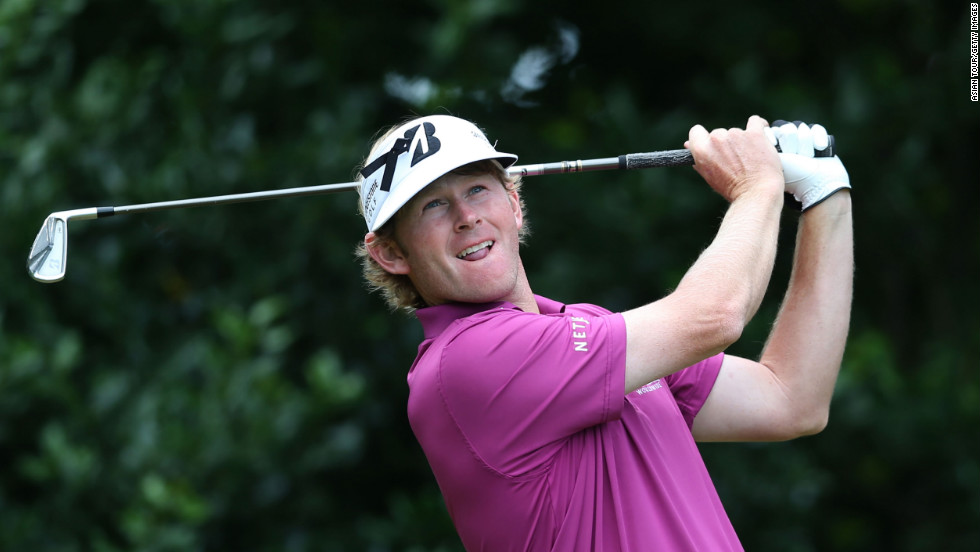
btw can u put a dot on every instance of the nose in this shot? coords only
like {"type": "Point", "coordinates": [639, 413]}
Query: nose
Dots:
{"type": "Point", "coordinates": [466, 217]}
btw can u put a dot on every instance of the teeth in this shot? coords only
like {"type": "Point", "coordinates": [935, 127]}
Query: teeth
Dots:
{"type": "Point", "coordinates": [474, 249]}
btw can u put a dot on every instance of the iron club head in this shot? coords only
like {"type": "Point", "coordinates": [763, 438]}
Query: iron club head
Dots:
{"type": "Point", "coordinates": [46, 262]}
{"type": "Point", "coordinates": [49, 255]}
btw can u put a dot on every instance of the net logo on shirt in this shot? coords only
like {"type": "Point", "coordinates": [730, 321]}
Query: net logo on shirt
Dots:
{"type": "Point", "coordinates": [652, 386]}
{"type": "Point", "coordinates": [580, 339]}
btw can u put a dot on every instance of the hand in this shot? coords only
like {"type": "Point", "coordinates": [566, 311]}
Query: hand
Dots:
{"type": "Point", "coordinates": [809, 179]}
{"type": "Point", "coordinates": [735, 161]}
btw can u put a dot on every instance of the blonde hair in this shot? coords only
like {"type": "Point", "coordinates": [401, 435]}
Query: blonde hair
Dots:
{"type": "Point", "coordinates": [397, 289]}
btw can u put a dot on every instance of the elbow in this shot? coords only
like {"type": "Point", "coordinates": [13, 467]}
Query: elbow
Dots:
{"type": "Point", "coordinates": [816, 422]}
{"type": "Point", "coordinates": [710, 319]}
{"type": "Point", "coordinates": [808, 423]}
{"type": "Point", "coordinates": [728, 325]}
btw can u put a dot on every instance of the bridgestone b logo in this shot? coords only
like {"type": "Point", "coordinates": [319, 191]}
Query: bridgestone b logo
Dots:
{"type": "Point", "coordinates": [426, 146]}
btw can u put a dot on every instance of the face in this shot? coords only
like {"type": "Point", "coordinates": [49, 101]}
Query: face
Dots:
{"type": "Point", "coordinates": [457, 240]}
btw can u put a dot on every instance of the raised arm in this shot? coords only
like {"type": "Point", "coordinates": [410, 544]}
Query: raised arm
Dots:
{"type": "Point", "coordinates": [787, 393]}
{"type": "Point", "coordinates": [723, 289]}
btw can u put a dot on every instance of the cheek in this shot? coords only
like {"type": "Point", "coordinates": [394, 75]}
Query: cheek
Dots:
{"type": "Point", "coordinates": [422, 247]}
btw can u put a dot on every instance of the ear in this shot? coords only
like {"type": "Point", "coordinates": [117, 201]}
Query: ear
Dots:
{"type": "Point", "coordinates": [515, 203]}
{"type": "Point", "coordinates": [386, 253]}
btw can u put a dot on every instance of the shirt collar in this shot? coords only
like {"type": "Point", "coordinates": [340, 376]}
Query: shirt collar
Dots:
{"type": "Point", "coordinates": [436, 319]}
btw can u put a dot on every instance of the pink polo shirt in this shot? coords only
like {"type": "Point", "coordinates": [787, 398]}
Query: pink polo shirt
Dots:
{"type": "Point", "coordinates": [523, 420]}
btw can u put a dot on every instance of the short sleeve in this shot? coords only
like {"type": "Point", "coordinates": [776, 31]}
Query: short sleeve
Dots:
{"type": "Point", "coordinates": [517, 383]}
{"type": "Point", "coordinates": [691, 386]}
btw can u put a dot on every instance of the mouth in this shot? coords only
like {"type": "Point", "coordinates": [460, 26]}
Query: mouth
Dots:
{"type": "Point", "coordinates": [476, 252]}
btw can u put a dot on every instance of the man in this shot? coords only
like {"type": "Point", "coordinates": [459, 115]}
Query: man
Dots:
{"type": "Point", "coordinates": [568, 427]}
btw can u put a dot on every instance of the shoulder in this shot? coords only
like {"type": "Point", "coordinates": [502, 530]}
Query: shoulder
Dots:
{"type": "Point", "coordinates": [503, 346]}
{"type": "Point", "coordinates": [494, 330]}
{"type": "Point", "coordinates": [490, 331]}
{"type": "Point", "coordinates": [493, 342]}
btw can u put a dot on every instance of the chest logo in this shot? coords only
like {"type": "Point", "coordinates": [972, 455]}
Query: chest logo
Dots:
{"type": "Point", "coordinates": [652, 386]}
{"type": "Point", "coordinates": [580, 336]}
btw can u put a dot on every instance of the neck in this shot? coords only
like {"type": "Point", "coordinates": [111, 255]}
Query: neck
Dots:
{"type": "Point", "coordinates": [522, 297]}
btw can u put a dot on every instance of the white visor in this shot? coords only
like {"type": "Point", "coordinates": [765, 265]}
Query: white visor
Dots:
{"type": "Point", "coordinates": [416, 154]}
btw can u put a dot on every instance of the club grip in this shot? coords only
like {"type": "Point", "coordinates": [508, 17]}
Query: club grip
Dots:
{"type": "Point", "coordinates": [656, 159]}
{"type": "Point", "coordinates": [683, 157]}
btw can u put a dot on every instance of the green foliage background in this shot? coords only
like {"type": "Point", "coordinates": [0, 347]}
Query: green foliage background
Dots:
{"type": "Point", "coordinates": [218, 379]}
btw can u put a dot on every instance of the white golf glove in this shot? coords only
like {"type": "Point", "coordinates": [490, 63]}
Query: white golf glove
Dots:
{"type": "Point", "coordinates": [811, 176]}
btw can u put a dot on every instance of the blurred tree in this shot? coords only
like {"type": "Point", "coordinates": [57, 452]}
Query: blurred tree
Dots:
{"type": "Point", "coordinates": [216, 378]}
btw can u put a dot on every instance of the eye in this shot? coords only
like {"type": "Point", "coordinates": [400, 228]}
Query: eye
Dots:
{"type": "Point", "coordinates": [477, 189]}
{"type": "Point", "coordinates": [431, 205]}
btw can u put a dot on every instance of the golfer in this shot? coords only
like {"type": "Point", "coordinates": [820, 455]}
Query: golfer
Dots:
{"type": "Point", "coordinates": [567, 427]}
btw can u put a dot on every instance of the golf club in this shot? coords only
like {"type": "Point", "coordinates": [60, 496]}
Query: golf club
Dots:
{"type": "Point", "coordinates": [48, 258]}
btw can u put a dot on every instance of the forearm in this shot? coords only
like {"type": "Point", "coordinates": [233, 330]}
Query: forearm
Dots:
{"type": "Point", "coordinates": [716, 297]}
{"type": "Point", "coordinates": [806, 345]}
{"type": "Point", "coordinates": [734, 271]}
{"type": "Point", "coordinates": [722, 290]}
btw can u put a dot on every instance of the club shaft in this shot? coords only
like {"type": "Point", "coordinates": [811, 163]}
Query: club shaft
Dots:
{"type": "Point", "coordinates": [630, 161]}
{"type": "Point", "coordinates": [231, 198]}
{"type": "Point", "coordinates": [49, 253]}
